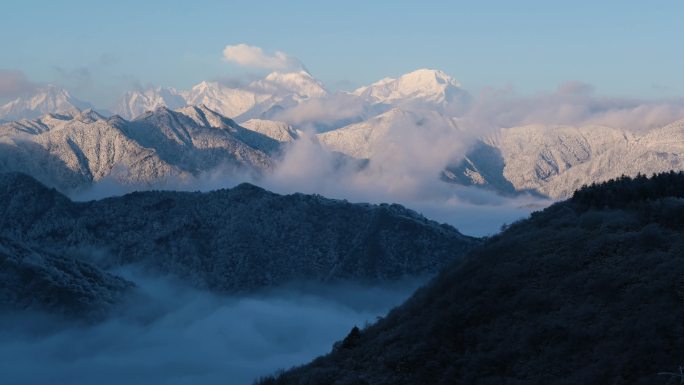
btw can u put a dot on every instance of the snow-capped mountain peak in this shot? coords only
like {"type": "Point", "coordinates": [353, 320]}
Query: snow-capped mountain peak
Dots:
{"type": "Point", "coordinates": [277, 90]}
{"type": "Point", "coordinates": [425, 85]}
{"type": "Point", "coordinates": [48, 99]}
{"type": "Point", "coordinates": [299, 83]}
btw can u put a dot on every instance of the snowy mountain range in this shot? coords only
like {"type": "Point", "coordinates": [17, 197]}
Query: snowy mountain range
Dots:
{"type": "Point", "coordinates": [74, 149]}
{"type": "Point", "coordinates": [423, 87]}
{"type": "Point", "coordinates": [281, 90]}
{"type": "Point", "coordinates": [163, 133]}
{"type": "Point", "coordinates": [557, 160]}
{"type": "Point", "coordinates": [48, 99]}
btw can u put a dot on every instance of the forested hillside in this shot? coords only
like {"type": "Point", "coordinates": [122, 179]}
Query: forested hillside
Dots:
{"type": "Point", "coordinates": [587, 291]}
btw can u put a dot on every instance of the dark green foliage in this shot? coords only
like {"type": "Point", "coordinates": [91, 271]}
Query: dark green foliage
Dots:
{"type": "Point", "coordinates": [588, 291]}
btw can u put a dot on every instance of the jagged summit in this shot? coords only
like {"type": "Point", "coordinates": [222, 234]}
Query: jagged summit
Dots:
{"type": "Point", "coordinates": [253, 99]}
{"type": "Point", "coordinates": [70, 151]}
{"type": "Point", "coordinates": [204, 116]}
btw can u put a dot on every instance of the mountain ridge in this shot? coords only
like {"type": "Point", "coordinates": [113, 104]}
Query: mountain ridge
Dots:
{"type": "Point", "coordinates": [232, 239]}
{"type": "Point", "coordinates": [73, 150]}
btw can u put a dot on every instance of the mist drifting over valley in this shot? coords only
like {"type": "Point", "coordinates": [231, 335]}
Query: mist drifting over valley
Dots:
{"type": "Point", "coordinates": [175, 334]}
{"type": "Point", "coordinates": [341, 193]}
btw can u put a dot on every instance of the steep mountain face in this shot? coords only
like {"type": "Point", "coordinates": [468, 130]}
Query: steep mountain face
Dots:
{"type": "Point", "coordinates": [135, 103]}
{"type": "Point", "coordinates": [260, 98]}
{"type": "Point", "coordinates": [266, 136]}
{"type": "Point", "coordinates": [49, 99]}
{"type": "Point", "coordinates": [77, 153]}
{"type": "Point", "coordinates": [180, 140]}
{"type": "Point", "coordinates": [73, 150]}
{"type": "Point", "coordinates": [232, 240]}
{"type": "Point", "coordinates": [557, 160]}
{"type": "Point", "coordinates": [588, 291]}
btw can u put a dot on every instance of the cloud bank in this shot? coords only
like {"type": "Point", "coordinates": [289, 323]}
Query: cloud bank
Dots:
{"type": "Point", "coordinates": [404, 171]}
{"type": "Point", "coordinates": [181, 336]}
{"type": "Point", "coordinates": [252, 56]}
{"type": "Point", "coordinates": [572, 103]}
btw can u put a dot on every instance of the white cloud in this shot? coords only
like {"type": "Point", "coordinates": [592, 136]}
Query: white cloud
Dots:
{"type": "Point", "coordinates": [251, 56]}
{"type": "Point", "coordinates": [573, 103]}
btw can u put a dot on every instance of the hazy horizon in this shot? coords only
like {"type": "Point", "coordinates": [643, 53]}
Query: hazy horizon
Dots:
{"type": "Point", "coordinates": [531, 47]}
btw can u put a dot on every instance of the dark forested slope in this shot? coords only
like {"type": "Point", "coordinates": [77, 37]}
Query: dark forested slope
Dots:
{"type": "Point", "coordinates": [231, 239]}
{"type": "Point", "coordinates": [587, 291]}
{"type": "Point", "coordinates": [32, 279]}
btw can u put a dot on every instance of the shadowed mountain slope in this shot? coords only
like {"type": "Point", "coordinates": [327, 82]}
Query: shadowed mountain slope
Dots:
{"type": "Point", "coordinates": [587, 291]}
{"type": "Point", "coordinates": [232, 239]}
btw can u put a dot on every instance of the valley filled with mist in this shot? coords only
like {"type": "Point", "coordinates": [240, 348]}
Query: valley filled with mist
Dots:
{"type": "Point", "coordinates": [176, 334]}
{"type": "Point", "coordinates": [341, 193]}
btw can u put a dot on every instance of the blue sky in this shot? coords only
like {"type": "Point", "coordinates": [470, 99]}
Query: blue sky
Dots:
{"type": "Point", "coordinates": [100, 49]}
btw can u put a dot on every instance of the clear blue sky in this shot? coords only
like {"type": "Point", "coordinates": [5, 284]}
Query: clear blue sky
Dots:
{"type": "Point", "coordinates": [623, 48]}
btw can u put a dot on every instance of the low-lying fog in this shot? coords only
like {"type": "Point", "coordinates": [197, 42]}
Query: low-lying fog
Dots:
{"type": "Point", "coordinates": [176, 335]}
